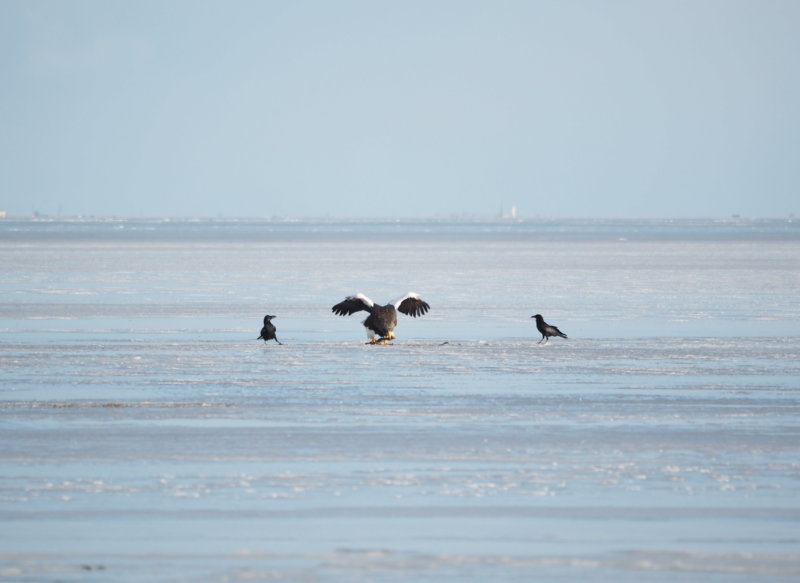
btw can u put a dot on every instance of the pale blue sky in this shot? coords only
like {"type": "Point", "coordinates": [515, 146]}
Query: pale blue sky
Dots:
{"type": "Point", "coordinates": [411, 109]}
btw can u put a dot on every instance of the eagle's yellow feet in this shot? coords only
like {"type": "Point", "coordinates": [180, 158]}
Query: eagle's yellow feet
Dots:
{"type": "Point", "coordinates": [385, 340]}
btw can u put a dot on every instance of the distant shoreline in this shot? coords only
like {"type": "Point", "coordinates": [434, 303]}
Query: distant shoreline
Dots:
{"type": "Point", "coordinates": [467, 219]}
{"type": "Point", "coordinates": [316, 230]}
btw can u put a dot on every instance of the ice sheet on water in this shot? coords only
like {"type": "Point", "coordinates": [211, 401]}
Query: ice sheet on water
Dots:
{"type": "Point", "coordinates": [147, 435]}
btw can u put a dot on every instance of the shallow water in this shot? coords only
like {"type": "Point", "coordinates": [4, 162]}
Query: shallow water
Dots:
{"type": "Point", "coordinates": [146, 434]}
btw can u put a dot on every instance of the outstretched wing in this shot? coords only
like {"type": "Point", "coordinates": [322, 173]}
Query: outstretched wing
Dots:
{"type": "Point", "coordinates": [411, 304]}
{"type": "Point", "coordinates": [353, 304]}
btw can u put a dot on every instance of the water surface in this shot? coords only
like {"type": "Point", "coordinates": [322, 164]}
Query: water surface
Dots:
{"type": "Point", "coordinates": [147, 435]}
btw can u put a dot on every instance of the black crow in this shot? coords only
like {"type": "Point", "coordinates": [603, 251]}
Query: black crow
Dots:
{"type": "Point", "coordinates": [546, 330]}
{"type": "Point", "coordinates": [268, 331]}
{"type": "Point", "coordinates": [382, 319]}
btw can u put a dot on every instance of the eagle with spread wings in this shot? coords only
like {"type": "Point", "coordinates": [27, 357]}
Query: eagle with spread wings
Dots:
{"type": "Point", "coordinates": [382, 320]}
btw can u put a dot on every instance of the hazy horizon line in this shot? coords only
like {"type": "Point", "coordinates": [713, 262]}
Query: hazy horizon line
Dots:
{"type": "Point", "coordinates": [466, 217]}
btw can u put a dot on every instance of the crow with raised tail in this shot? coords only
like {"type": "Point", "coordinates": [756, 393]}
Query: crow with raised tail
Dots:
{"type": "Point", "coordinates": [546, 330]}
{"type": "Point", "coordinates": [382, 320]}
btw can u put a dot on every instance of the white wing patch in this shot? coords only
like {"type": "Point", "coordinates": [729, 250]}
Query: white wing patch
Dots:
{"type": "Point", "coordinates": [399, 301]}
{"type": "Point", "coordinates": [364, 300]}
